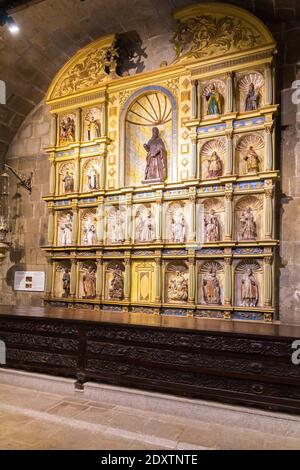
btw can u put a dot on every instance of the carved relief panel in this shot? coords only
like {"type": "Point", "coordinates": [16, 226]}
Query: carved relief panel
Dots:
{"type": "Point", "coordinates": [213, 96]}
{"type": "Point", "coordinates": [144, 223]}
{"type": "Point", "coordinates": [91, 121]}
{"type": "Point", "coordinates": [67, 128]}
{"type": "Point", "coordinates": [248, 218]}
{"type": "Point", "coordinates": [87, 280]}
{"type": "Point", "coordinates": [66, 178]}
{"type": "Point", "coordinates": [210, 216]}
{"type": "Point", "coordinates": [88, 227]}
{"type": "Point", "coordinates": [64, 228]}
{"type": "Point", "coordinates": [176, 223]}
{"type": "Point", "coordinates": [91, 174]}
{"type": "Point", "coordinates": [114, 280]}
{"type": "Point", "coordinates": [249, 91]}
{"type": "Point", "coordinates": [210, 283]}
{"type": "Point", "coordinates": [176, 282]}
{"type": "Point", "coordinates": [249, 153]}
{"type": "Point", "coordinates": [62, 279]}
{"type": "Point", "coordinates": [248, 281]}
{"type": "Point", "coordinates": [212, 158]}
{"type": "Point", "coordinates": [115, 224]}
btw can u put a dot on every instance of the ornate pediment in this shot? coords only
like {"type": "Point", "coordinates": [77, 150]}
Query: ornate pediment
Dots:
{"type": "Point", "coordinates": [206, 31]}
{"type": "Point", "coordinates": [87, 69]}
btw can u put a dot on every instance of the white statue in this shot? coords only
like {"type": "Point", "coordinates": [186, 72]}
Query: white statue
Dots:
{"type": "Point", "coordinates": [67, 230]}
{"type": "Point", "coordinates": [178, 287]}
{"type": "Point", "coordinates": [212, 227]}
{"type": "Point", "coordinates": [145, 227]}
{"type": "Point", "coordinates": [249, 290]}
{"type": "Point", "coordinates": [247, 225]}
{"type": "Point", "coordinates": [93, 127]}
{"type": "Point", "coordinates": [178, 226]}
{"type": "Point", "coordinates": [117, 228]}
{"type": "Point", "coordinates": [93, 178]}
{"type": "Point", "coordinates": [90, 232]}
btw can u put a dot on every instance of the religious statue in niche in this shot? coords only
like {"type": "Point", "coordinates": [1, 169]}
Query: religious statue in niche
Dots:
{"type": "Point", "coordinates": [144, 226]}
{"type": "Point", "coordinates": [252, 99]}
{"type": "Point", "coordinates": [214, 166]}
{"type": "Point", "coordinates": [250, 86]}
{"type": "Point", "coordinates": [67, 129]}
{"type": "Point", "coordinates": [214, 100]}
{"type": "Point", "coordinates": [249, 147]}
{"type": "Point", "coordinates": [116, 290]}
{"type": "Point", "coordinates": [66, 282]}
{"type": "Point", "coordinates": [68, 182]}
{"type": "Point", "coordinates": [178, 287]}
{"type": "Point", "coordinates": [156, 162]}
{"type": "Point", "coordinates": [89, 230]}
{"type": "Point", "coordinates": [93, 130]}
{"type": "Point", "coordinates": [66, 228]}
{"type": "Point", "coordinates": [252, 161]}
{"type": "Point", "coordinates": [116, 226]}
{"type": "Point", "coordinates": [247, 225]}
{"type": "Point", "coordinates": [178, 226]}
{"type": "Point", "coordinates": [212, 227]}
{"type": "Point", "coordinates": [211, 287]}
{"type": "Point", "coordinates": [249, 289]}
{"type": "Point", "coordinates": [89, 283]}
{"type": "Point", "coordinates": [93, 178]}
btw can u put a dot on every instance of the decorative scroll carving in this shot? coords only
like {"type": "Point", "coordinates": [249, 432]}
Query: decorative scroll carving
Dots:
{"type": "Point", "coordinates": [206, 36]}
{"type": "Point", "coordinates": [90, 67]}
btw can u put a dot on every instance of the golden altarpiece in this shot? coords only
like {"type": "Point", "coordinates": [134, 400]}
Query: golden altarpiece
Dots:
{"type": "Point", "coordinates": [162, 184]}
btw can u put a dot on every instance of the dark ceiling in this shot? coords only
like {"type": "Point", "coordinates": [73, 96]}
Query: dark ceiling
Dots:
{"type": "Point", "coordinates": [53, 30]}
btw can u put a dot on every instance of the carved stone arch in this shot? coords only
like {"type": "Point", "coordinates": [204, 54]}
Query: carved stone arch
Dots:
{"type": "Point", "coordinates": [131, 101]}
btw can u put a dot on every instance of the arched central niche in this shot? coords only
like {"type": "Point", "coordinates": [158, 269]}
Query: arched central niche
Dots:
{"type": "Point", "coordinates": [148, 108]}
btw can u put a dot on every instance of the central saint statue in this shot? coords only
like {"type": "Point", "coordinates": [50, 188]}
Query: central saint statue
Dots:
{"type": "Point", "coordinates": [156, 163]}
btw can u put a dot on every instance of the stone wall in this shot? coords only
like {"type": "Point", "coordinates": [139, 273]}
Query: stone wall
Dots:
{"type": "Point", "coordinates": [28, 212]}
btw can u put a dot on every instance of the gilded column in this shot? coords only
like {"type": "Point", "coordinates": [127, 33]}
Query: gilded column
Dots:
{"type": "Point", "coordinates": [158, 216]}
{"type": "Point", "coordinates": [269, 84]}
{"type": "Point", "coordinates": [75, 225]}
{"type": "Point", "coordinates": [228, 281]}
{"type": "Point", "coordinates": [78, 125]}
{"type": "Point", "coordinates": [50, 225]}
{"type": "Point", "coordinates": [192, 284]}
{"type": "Point", "coordinates": [268, 210]}
{"type": "Point", "coordinates": [102, 174]}
{"type": "Point", "coordinates": [99, 278]}
{"type": "Point", "coordinates": [269, 147]}
{"type": "Point", "coordinates": [53, 130]}
{"type": "Point", "coordinates": [193, 164]}
{"type": "Point", "coordinates": [229, 91]}
{"type": "Point", "coordinates": [127, 279]}
{"type": "Point", "coordinates": [195, 111]}
{"type": "Point", "coordinates": [228, 214]}
{"type": "Point", "coordinates": [229, 155]}
{"type": "Point", "coordinates": [77, 174]}
{"type": "Point", "coordinates": [158, 283]}
{"type": "Point", "coordinates": [268, 281]}
{"type": "Point", "coordinates": [73, 278]}
{"type": "Point", "coordinates": [100, 221]}
{"type": "Point", "coordinates": [103, 120]}
{"type": "Point", "coordinates": [192, 214]}
{"type": "Point", "coordinates": [49, 277]}
{"type": "Point", "coordinates": [52, 175]}
{"type": "Point", "coordinates": [128, 220]}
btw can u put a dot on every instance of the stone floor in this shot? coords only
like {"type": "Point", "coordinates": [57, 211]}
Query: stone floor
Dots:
{"type": "Point", "coordinates": [31, 419]}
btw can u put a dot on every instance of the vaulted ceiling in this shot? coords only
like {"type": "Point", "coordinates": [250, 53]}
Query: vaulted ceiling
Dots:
{"type": "Point", "coordinates": [53, 30]}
